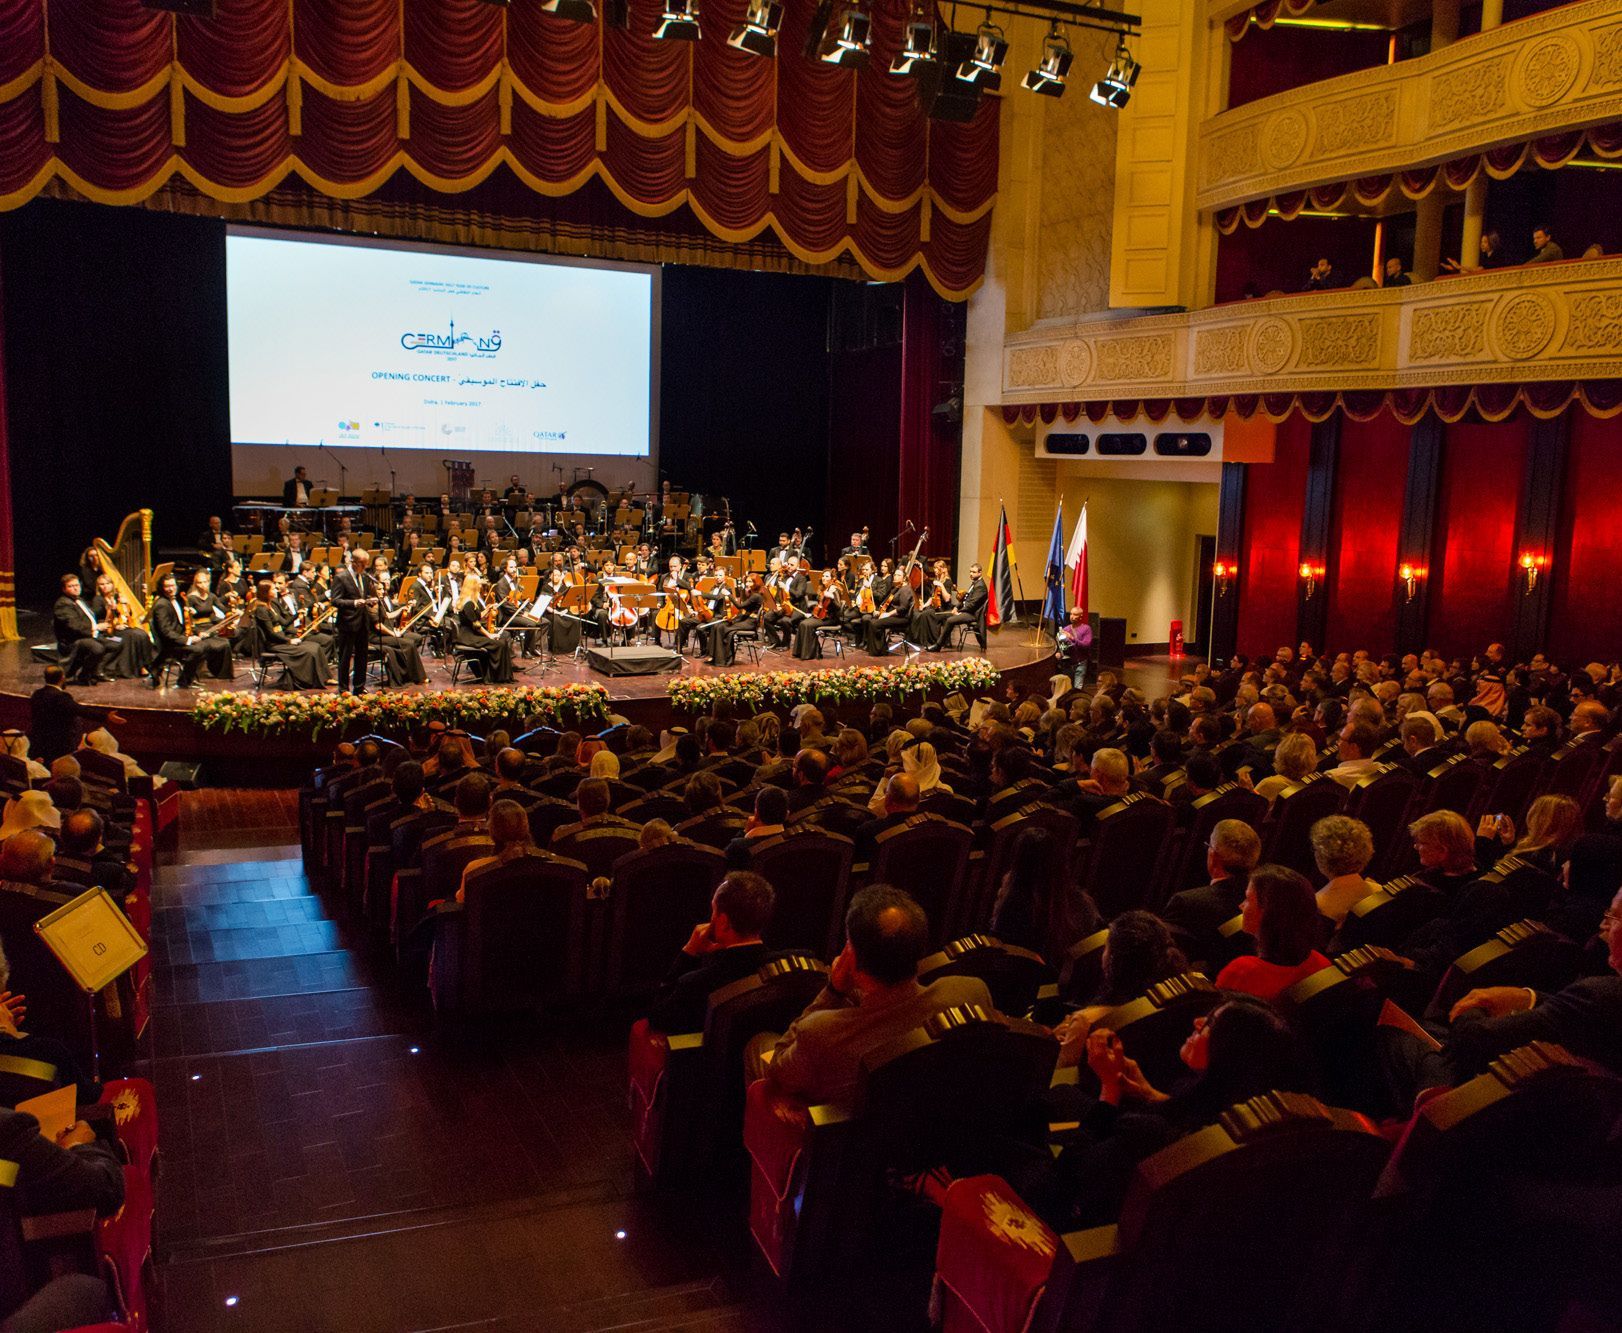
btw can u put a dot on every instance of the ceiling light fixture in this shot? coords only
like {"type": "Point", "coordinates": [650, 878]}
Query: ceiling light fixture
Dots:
{"type": "Point", "coordinates": [983, 69]}
{"type": "Point", "coordinates": [678, 22]}
{"type": "Point", "coordinates": [1115, 88]}
{"type": "Point", "coordinates": [1048, 78]}
{"type": "Point", "coordinates": [757, 34]}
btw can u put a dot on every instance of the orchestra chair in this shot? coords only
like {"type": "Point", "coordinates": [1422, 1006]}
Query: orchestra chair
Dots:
{"type": "Point", "coordinates": [818, 1199]}
{"type": "Point", "coordinates": [1524, 953]}
{"type": "Point", "coordinates": [468, 658]}
{"type": "Point", "coordinates": [1153, 1027]}
{"type": "Point", "coordinates": [1122, 863]}
{"type": "Point", "coordinates": [751, 642]}
{"type": "Point", "coordinates": [1287, 836]}
{"type": "Point", "coordinates": [1390, 914]}
{"type": "Point", "coordinates": [1382, 801]}
{"type": "Point", "coordinates": [927, 857]}
{"type": "Point", "coordinates": [1015, 977]}
{"type": "Point", "coordinates": [515, 943]}
{"type": "Point", "coordinates": [47, 654]}
{"type": "Point", "coordinates": [1235, 1221]}
{"type": "Point", "coordinates": [657, 897]}
{"type": "Point", "coordinates": [833, 635]}
{"type": "Point", "coordinates": [959, 640]}
{"type": "Point", "coordinates": [1231, 800]}
{"type": "Point", "coordinates": [1512, 783]}
{"type": "Point", "coordinates": [686, 1089]}
{"type": "Point", "coordinates": [1336, 1010]}
{"type": "Point", "coordinates": [1530, 1149]}
{"type": "Point", "coordinates": [810, 875]}
{"type": "Point", "coordinates": [1059, 873]}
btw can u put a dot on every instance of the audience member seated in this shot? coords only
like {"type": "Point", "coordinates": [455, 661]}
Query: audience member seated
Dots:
{"type": "Point", "coordinates": [1421, 744]}
{"type": "Point", "coordinates": [1342, 848]}
{"type": "Point", "coordinates": [810, 779]}
{"type": "Point", "coordinates": [900, 805]}
{"type": "Point", "coordinates": [1281, 914]}
{"type": "Point", "coordinates": [872, 997]}
{"type": "Point", "coordinates": [1446, 849]}
{"type": "Point", "coordinates": [19, 1043]}
{"type": "Point", "coordinates": [1553, 823]}
{"type": "Point", "coordinates": [1018, 913]}
{"type": "Point", "coordinates": [591, 799]}
{"type": "Point", "coordinates": [1138, 951]}
{"type": "Point", "coordinates": [1108, 780]}
{"type": "Point", "coordinates": [508, 825]}
{"type": "Point", "coordinates": [724, 949]}
{"type": "Point", "coordinates": [82, 858]}
{"type": "Point", "coordinates": [920, 762]}
{"type": "Point", "coordinates": [15, 744]}
{"type": "Point", "coordinates": [1293, 758]}
{"type": "Point", "coordinates": [1241, 1049]}
{"type": "Point", "coordinates": [1231, 854]}
{"type": "Point", "coordinates": [1355, 751]}
{"type": "Point", "coordinates": [767, 821]}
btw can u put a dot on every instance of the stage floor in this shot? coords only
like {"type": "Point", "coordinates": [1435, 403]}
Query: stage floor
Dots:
{"type": "Point", "coordinates": [1008, 650]}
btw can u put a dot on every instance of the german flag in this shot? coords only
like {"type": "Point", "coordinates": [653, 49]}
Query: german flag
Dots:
{"type": "Point", "coordinates": [1000, 609]}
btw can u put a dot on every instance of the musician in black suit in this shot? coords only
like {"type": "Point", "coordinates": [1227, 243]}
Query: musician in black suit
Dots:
{"type": "Point", "coordinates": [356, 605]}
{"type": "Point", "coordinates": [193, 651]}
{"type": "Point", "coordinates": [296, 491]}
{"type": "Point", "coordinates": [895, 613]}
{"type": "Point", "coordinates": [970, 610]}
{"type": "Point", "coordinates": [857, 549]}
{"type": "Point", "coordinates": [77, 637]}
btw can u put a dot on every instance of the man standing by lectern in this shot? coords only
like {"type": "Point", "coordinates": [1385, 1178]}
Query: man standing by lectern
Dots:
{"type": "Point", "coordinates": [355, 607]}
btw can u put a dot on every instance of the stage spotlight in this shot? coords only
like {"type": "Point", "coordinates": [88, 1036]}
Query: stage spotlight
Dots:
{"type": "Point", "coordinates": [678, 23]}
{"type": "Point", "coordinates": [918, 49]}
{"type": "Point", "coordinates": [983, 70]}
{"type": "Point", "coordinates": [1115, 88]}
{"type": "Point", "coordinates": [1048, 77]}
{"type": "Point", "coordinates": [576, 11]}
{"type": "Point", "coordinates": [846, 42]}
{"type": "Point", "coordinates": [757, 34]}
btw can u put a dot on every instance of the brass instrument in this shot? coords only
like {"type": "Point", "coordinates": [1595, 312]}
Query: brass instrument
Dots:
{"type": "Point", "coordinates": [127, 561]}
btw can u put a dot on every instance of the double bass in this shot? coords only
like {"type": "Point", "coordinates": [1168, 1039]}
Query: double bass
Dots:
{"type": "Point", "coordinates": [913, 569]}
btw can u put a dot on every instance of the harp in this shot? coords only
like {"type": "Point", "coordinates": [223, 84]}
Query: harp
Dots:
{"type": "Point", "coordinates": [127, 560]}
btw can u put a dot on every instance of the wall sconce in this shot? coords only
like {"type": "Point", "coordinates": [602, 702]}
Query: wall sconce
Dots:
{"type": "Point", "coordinates": [1410, 575]}
{"type": "Point", "coordinates": [1224, 570]}
{"type": "Point", "coordinates": [1310, 574]}
{"type": "Point", "coordinates": [1531, 565]}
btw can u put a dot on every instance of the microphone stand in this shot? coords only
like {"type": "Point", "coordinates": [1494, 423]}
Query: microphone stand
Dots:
{"type": "Point", "coordinates": [343, 472]}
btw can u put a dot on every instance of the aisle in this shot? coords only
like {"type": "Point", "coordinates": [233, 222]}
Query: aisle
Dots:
{"type": "Point", "coordinates": [331, 1163]}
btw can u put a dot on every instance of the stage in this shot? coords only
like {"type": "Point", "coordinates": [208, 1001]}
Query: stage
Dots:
{"type": "Point", "coordinates": [158, 725]}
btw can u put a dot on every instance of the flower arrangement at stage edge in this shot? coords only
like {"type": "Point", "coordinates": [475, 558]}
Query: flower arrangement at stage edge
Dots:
{"type": "Point", "coordinates": [283, 714]}
{"type": "Point", "coordinates": [760, 689]}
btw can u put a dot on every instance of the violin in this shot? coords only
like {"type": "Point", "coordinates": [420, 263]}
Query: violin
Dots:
{"type": "Point", "coordinates": [864, 600]}
{"type": "Point", "coordinates": [619, 614]}
{"type": "Point", "coordinates": [936, 599]}
{"type": "Point", "coordinates": [830, 597]}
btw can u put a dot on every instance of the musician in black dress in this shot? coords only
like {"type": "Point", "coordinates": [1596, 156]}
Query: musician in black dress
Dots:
{"type": "Point", "coordinates": [894, 613]}
{"type": "Point", "coordinates": [562, 626]}
{"type": "Point", "coordinates": [794, 596]}
{"type": "Point", "coordinates": [827, 610]}
{"type": "Point", "coordinates": [722, 632]}
{"type": "Point", "coordinates": [399, 648]}
{"type": "Point", "coordinates": [132, 650]}
{"type": "Point", "coordinates": [495, 654]}
{"type": "Point", "coordinates": [194, 650]}
{"type": "Point", "coordinates": [864, 601]}
{"type": "Point", "coordinates": [78, 639]}
{"type": "Point", "coordinates": [306, 662]}
{"type": "Point", "coordinates": [936, 600]}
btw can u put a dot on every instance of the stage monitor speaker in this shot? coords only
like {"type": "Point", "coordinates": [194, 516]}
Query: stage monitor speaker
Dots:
{"type": "Point", "coordinates": [186, 776]}
{"type": "Point", "coordinates": [647, 660]}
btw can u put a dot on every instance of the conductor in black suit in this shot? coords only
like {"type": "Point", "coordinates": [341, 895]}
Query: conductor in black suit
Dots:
{"type": "Point", "coordinates": [296, 491]}
{"type": "Point", "coordinates": [355, 603]}
{"type": "Point", "coordinates": [76, 638]}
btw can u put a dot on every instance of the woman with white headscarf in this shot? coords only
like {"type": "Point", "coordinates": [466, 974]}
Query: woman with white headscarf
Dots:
{"type": "Point", "coordinates": [920, 763]}
{"type": "Point", "coordinates": [101, 740]}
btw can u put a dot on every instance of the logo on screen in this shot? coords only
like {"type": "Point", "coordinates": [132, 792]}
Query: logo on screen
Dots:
{"type": "Point", "coordinates": [457, 346]}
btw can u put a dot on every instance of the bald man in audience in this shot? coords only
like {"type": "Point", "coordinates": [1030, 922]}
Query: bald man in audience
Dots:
{"type": "Point", "coordinates": [1108, 780]}
{"type": "Point", "coordinates": [872, 998]}
{"type": "Point", "coordinates": [901, 797]}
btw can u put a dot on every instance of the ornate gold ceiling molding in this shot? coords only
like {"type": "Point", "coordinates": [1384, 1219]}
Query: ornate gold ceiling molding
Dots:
{"type": "Point", "coordinates": [1559, 70]}
{"type": "Point", "coordinates": [1543, 322]}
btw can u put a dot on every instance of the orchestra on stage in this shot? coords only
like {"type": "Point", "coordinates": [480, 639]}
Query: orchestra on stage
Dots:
{"type": "Point", "coordinates": [496, 586]}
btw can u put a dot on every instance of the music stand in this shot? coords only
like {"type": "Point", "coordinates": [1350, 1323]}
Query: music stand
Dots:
{"type": "Point", "coordinates": [96, 944]}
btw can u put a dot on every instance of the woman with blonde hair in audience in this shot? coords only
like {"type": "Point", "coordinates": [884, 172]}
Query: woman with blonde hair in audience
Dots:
{"type": "Point", "coordinates": [1552, 824]}
{"type": "Point", "coordinates": [1446, 849]}
{"type": "Point", "coordinates": [1342, 847]}
{"type": "Point", "coordinates": [1486, 742]}
{"type": "Point", "coordinates": [849, 753]}
{"type": "Point", "coordinates": [1293, 758]}
{"type": "Point", "coordinates": [655, 833]}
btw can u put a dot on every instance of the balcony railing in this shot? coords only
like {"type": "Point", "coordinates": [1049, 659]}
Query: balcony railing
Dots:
{"type": "Point", "coordinates": [1509, 326]}
{"type": "Point", "coordinates": [1553, 72]}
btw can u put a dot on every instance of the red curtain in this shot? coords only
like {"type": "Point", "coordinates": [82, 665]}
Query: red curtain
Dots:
{"type": "Point", "coordinates": [1482, 469]}
{"type": "Point", "coordinates": [1372, 478]}
{"type": "Point", "coordinates": [1270, 550]}
{"type": "Point", "coordinates": [115, 101]}
{"type": "Point", "coordinates": [927, 493]}
{"type": "Point", "coordinates": [1585, 615]}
